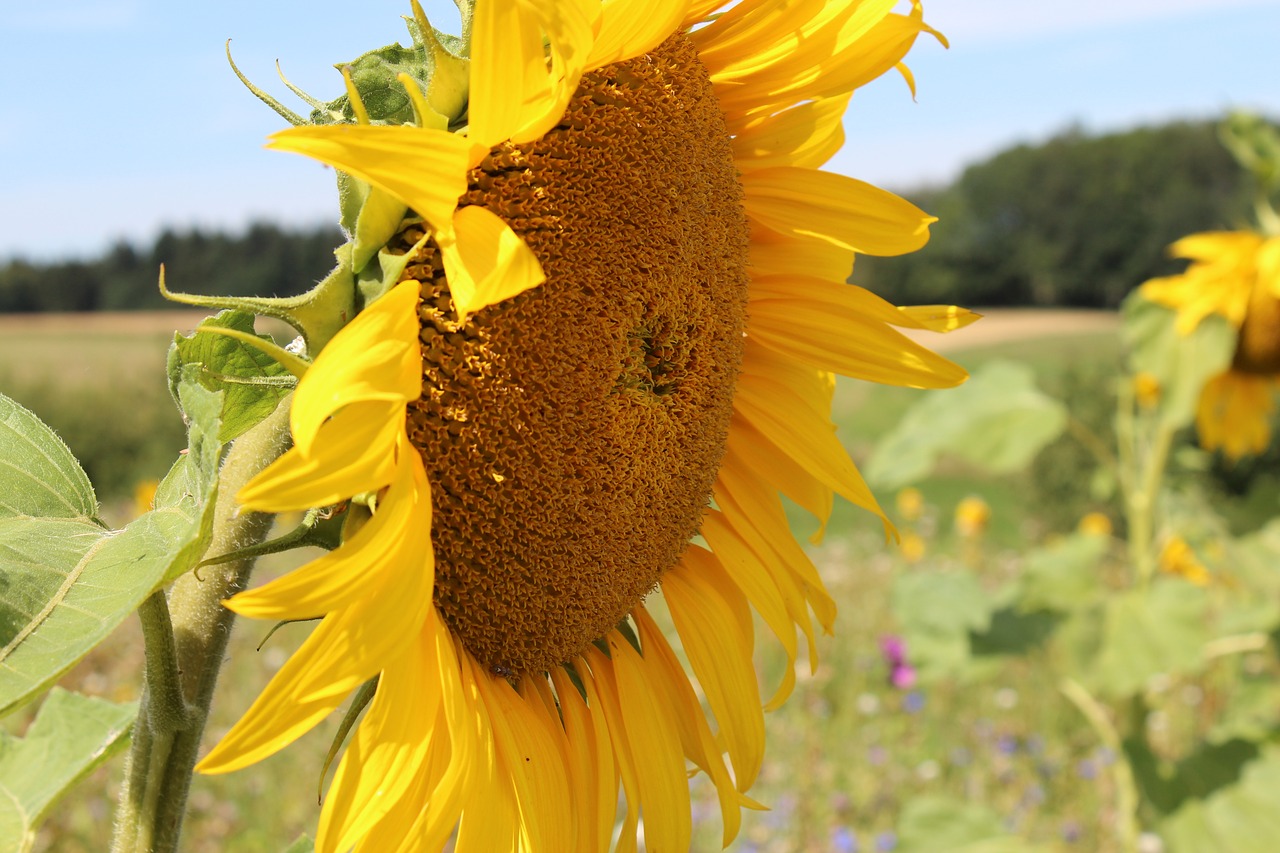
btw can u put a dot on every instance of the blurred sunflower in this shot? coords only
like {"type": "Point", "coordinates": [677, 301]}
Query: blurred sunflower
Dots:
{"type": "Point", "coordinates": [624, 300]}
{"type": "Point", "coordinates": [1235, 274]}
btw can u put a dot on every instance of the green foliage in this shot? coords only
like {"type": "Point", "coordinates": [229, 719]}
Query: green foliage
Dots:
{"type": "Point", "coordinates": [930, 824]}
{"type": "Point", "coordinates": [997, 421]}
{"type": "Point", "coordinates": [937, 612]}
{"type": "Point", "coordinates": [1241, 818]}
{"type": "Point", "coordinates": [1182, 363]}
{"type": "Point", "coordinates": [71, 736]}
{"type": "Point", "coordinates": [1076, 221]}
{"type": "Point", "coordinates": [264, 261]}
{"type": "Point", "coordinates": [67, 580]}
{"type": "Point", "coordinates": [252, 383]}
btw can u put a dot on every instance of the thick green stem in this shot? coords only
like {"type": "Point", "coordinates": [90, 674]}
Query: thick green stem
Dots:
{"type": "Point", "coordinates": [159, 768]}
{"type": "Point", "coordinates": [1142, 505]}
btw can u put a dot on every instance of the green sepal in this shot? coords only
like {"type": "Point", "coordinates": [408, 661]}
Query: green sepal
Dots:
{"type": "Point", "coordinates": [249, 368]}
{"type": "Point", "coordinates": [70, 737]}
{"type": "Point", "coordinates": [378, 219]}
{"type": "Point", "coordinates": [374, 75]}
{"type": "Point", "coordinates": [359, 701]}
{"type": "Point", "coordinates": [317, 314]}
{"type": "Point", "coordinates": [318, 529]}
{"type": "Point", "coordinates": [450, 69]}
{"type": "Point", "coordinates": [279, 108]}
{"type": "Point", "coordinates": [69, 581]}
{"type": "Point", "coordinates": [376, 279]}
{"type": "Point", "coordinates": [302, 844]}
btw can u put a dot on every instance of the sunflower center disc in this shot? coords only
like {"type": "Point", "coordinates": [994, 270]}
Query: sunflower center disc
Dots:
{"type": "Point", "coordinates": [572, 434]}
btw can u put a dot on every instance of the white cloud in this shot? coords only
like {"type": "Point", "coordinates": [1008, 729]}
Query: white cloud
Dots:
{"type": "Point", "coordinates": [985, 21]}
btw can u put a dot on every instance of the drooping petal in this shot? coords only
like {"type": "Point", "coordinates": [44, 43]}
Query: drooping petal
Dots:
{"type": "Point", "coordinates": [592, 772]}
{"type": "Point", "coordinates": [388, 751]}
{"type": "Point", "coordinates": [374, 358]}
{"type": "Point", "coordinates": [424, 168]}
{"type": "Point", "coordinates": [486, 262]}
{"type": "Point", "coordinates": [714, 622]}
{"type": "Point", "coordinates": [354, 452]}
{"type": "Point", "coordinates": [397, 538]}
{"type": "Point", "coordinates": [750, 450]}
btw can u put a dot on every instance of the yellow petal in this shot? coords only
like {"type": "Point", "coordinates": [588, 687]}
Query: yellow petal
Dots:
{"type": "Point", "coordinates": [749, 504]}
{"type": "Point", "coordinates": [513, 94]}
{"type": "Point", "coordinates": [773, 254]}
{"type": "Point", "coordinates": [805, 136]}
{"type": "Point", "coordinates": [375, 357]}
{"type": "Point", "coordinates": [486, 262]}
{"type": "Point", "coordinates": [1234, 413]}
{"type": "Point", "coordinates": [531, 763]}
{"type": "Point", "coordinates": [354, 452]}
{"type": "Point", "coordinates": [426, 169]}
{"type": "Point", "coordinates": [653, 735]}
{"type": "Point", "coordinates": [830, 208]}
{"type": "Point", "coordinates": [398, 536]}
{"type": "Point", "coordinates": [834, 327]}
{"type": "Point", "coordinates": [592, 773]}
{"type": "Point", "coordinates": [786, 404]}
{"type": "Point", "coordinates": [775, 604]}
{"type": "Point", "coordinates": [387, 752]}
{"type": "Point", "coordinates": [601, 684]}
{"type": "Point", "coordinates": [749, 449]}
{"type": "Point", "coordinates": [672, 686]}
{"type": "Point", "coordinates": [938, 318]}
{"type": "Point", "coordinates": [630, 28]}
{"type": "Point", "coordinates": [714, 622]}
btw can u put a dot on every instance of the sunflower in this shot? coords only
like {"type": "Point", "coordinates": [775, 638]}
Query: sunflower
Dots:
{"type": "Point", "coordinates": [608, 351]}
{"type": "Point", "coordinates": [1235, 274]}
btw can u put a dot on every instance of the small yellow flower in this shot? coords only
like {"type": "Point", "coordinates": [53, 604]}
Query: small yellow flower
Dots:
{"type": "Point", "coordinates": [1146, 390]}
{"type": "Point", "coordinates": [144, 495]}
{"type": "Point", "coordinates": [1177, 558]}
{"type": "Point", "coordinates": [910, 504]}
{"type": "Point", "coordinates": [972, 517]}
{"type": "Point", "coordinates": [1095, 524]}
{"type": "Point", "coordinates": [912, 547]}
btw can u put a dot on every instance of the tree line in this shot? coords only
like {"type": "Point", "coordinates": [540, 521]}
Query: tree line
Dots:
{"type": "Point", "coordinates": [1076, 221]}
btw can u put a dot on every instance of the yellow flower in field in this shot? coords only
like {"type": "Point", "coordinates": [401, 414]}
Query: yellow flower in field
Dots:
{"type": "Point", "coordinates": [1177, 558]}
{"type": "Point", "coordinates": [1146, 389]}
{"type": "Point", "coordinates": [972, 516]}
{"type": "Point", "coordinates": [1095, 524]}
{"type": "Point", "coordinates": [624, 300]}
{"type": "Point", "coordinates": [912, 547]}
{"type": "Point", "coordinates": [910, 503]}
{"type": "Point", "coordinates": [144, 496]}
{"type": "Point", "coordinates": [1237, 275]}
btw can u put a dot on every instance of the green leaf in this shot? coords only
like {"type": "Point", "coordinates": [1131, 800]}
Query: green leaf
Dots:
{"type": "Point", "coordinates": [301, 844]}
{"type": "Point", "coordinates": [1241, 818]}
{"type": "Point", "coordinates": [1181, 363]}
{"type": "Point", "coordinates": [66, 583]}
{"type": "Point", "coordinates": [1064, 575]}
{"type": "Point", "coordinates": [1252, 714]}
{"type": "Point", "coordinates": [936, 611]}
{"type": "Point", "coordinates": [928, 824]}
{"type": "Point", "coordinates": [38, 474]}
{"type": "Point", "coordinates": [998, 421]}
{"type": "Point", "coordinates": [1148, 632]}
{"type": "Point", "coordinates": [253, 383]}
{"type": "Point", "coordinates": [71, 736]}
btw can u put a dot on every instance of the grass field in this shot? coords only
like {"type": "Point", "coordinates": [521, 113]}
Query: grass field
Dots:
{"type": "Point", "coordinates": [845, 754]}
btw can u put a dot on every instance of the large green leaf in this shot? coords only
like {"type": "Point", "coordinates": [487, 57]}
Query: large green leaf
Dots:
{"type": "Point", "coordinates": [252, 382]}
{"type": "Point", "coordinates": [70, 736]}
{"type": "Point", "coordinates": [1241, 818]}
{"type": "Point", "coordinates": [1147, 632]}
{"type": "Point", "coordinates": [38, 474]}
{"type": "Point", "coordinates": [1064, 575]}
{"type": "Point", "coordinates": [997, 421]}
{"type": "Point", "coordinates": [1181, 363]}
{"type": "Point", "coordinates": [66, 582]}
{"type": "Point", "coordinates": [930, 824]}
{"type": "Point", "coordinates": [936, 611]}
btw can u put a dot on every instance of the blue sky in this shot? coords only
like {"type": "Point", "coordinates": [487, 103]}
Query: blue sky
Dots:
{"type": "Point", "coordinates": [122, 116]}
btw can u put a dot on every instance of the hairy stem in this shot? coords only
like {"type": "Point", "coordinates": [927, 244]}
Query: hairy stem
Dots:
{"type": "Point", "coordinates": [183, 661]}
